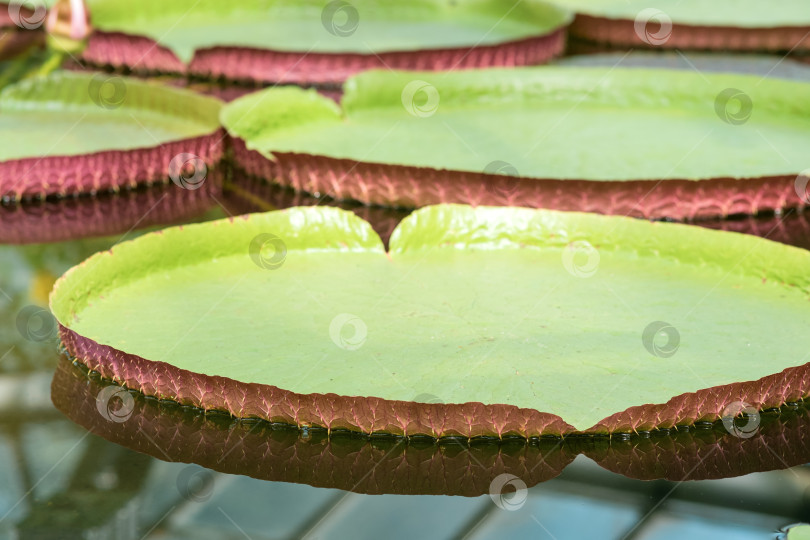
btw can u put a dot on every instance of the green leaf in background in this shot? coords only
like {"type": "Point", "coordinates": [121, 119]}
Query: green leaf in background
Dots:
{"type": "Point", "coordinates": [740, 13]}
{"type": "Point", "coordinates": [361, 26]}
{"type": "Point", "coordinates": [80, 113]}
{"type": "Point", "coordinates": [552, 123]}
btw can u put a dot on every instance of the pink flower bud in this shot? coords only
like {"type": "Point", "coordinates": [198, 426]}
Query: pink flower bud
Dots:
{"type": "Point", "coordinates": [69, 19]}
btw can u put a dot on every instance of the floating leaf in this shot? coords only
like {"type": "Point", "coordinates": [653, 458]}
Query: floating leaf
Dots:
{"type": "Point", "coordinates": [649, 143]}
{"type": "Point", "coordinates": [478, 322]}
{"type": "Point", "coordinates": [315, 41]}
{"type": "Point", "coordinates": [72, 133]}
{"type": "Point", "coordinates": [748, 25]}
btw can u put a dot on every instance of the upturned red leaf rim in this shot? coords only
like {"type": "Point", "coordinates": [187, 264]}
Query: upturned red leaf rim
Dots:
{"type": "Point", "coordinates": [386, 465]}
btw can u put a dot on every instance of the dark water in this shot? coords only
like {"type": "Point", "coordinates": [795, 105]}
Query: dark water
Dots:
{"type": "Point", "coordinates": [137, 468]}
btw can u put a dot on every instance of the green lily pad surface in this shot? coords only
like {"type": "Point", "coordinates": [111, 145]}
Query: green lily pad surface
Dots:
{"type": "Point", "coordinates": [740, 13]}
{"type": "Point", "coordinates": [68, 114]}
{"type": "Point", "coordinates": [551, 123]}
{"type": "Point", "coordinates": [575, 315]}
{"type": "Point", "coordinates": [360, 26]}
{"type": "Point", "coordinates": [799, 532]}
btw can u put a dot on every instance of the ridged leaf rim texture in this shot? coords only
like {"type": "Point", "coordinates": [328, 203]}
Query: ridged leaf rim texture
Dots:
{"type": "Point", "coordinates": [377, 466]}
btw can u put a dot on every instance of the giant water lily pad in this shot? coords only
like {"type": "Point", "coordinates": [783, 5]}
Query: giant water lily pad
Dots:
{"type": "Point", "coordinates": [72, 133]}
{"type": "Point", "coordinates": [389, 465]}
{"type": "Point", "coordinates": [316, 41]}
{"type": "Point", "coordinates": [645, 143]}
{"type": "Point", "coordinates": [521, 322]}
{"type": "Point", "coordinates": [723, 24]}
